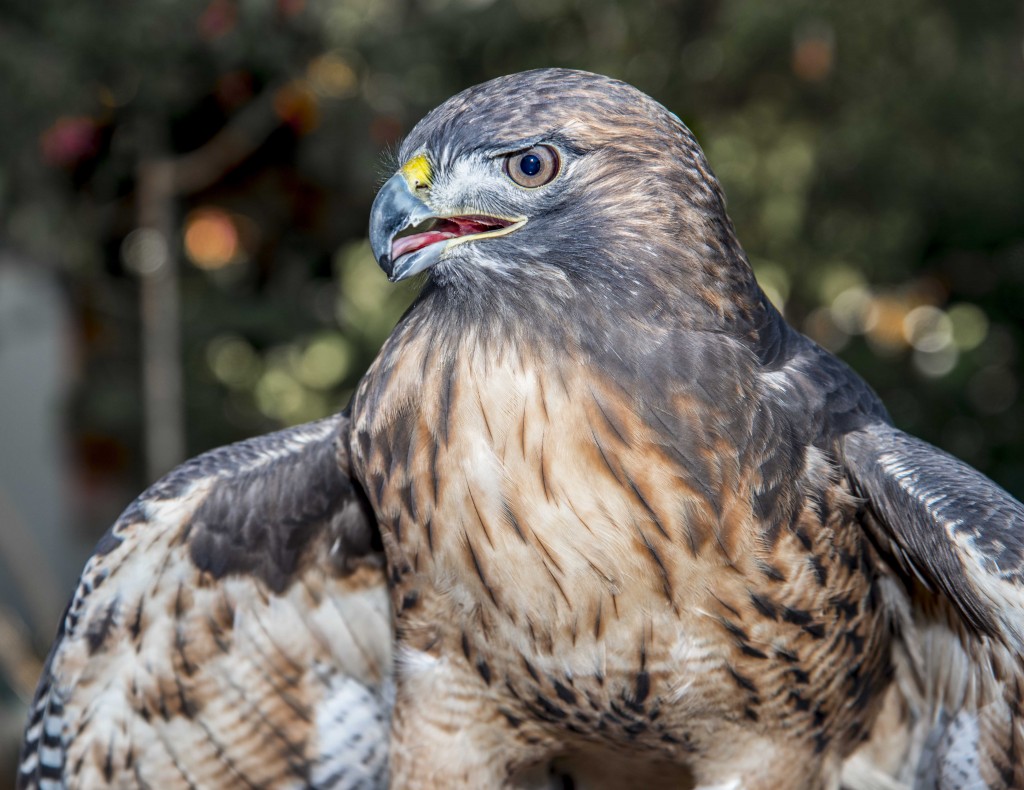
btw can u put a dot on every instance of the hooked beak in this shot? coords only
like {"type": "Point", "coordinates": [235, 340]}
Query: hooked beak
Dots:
{"type": "Point", "coordinates": [398, 209]}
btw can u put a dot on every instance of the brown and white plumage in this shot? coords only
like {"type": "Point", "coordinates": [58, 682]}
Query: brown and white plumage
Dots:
{"type": "Point", "coordinates": [629, 511]}
{"type": "Point", "coordinates": [959, 540]}
{"type": "Point", "coordinates": [638, 530]}
{"type": "Point", "coordinates": [232, 630]}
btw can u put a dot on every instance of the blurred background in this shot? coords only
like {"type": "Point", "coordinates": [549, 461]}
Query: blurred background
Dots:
{"type": "Point", "coordinates": [185, 184]}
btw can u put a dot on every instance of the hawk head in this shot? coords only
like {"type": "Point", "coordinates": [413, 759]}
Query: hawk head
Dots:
{"type": "Point", "coordinates": [564, 183]}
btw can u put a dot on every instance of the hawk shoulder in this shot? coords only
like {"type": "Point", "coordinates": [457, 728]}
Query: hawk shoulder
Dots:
{"type": "Point", "coordinates": [231, 629]}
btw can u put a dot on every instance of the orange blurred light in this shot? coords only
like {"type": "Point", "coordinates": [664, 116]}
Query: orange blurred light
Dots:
{"type": "Point", "coordinates": [296, 105]}
{"type": "Point", "coordinates": [885, 323]}
{"type": "Point", "coordinates": [211, 238]}
{"type": "Point", "coordinates": [813, 53]}
{"type": "Point", "coordinates": [331, 76]}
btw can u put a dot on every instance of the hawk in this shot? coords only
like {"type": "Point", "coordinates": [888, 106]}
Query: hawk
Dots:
{"type": "Point", "coordinates": [595, 517]}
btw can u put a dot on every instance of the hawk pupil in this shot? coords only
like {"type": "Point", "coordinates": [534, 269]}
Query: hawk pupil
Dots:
{"type": "Point", "coordinates": [530, 164]}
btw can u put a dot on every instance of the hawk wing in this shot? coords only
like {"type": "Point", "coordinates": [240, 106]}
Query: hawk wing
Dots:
{"type": "Point", "coordinates": [955, 543]}
{"type": "Point", "coordinates": [959, 538]}
{"type": "Point", "coordinates": [952, 527]}
{"type": "Point", "coordinates": [231, 630]}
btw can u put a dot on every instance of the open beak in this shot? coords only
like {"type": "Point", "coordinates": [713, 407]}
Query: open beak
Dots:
{"type": "Point", "coordinates": [408, 238]}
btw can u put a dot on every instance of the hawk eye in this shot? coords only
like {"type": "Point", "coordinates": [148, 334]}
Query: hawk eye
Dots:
{"type": "Point", "coordinates": [534, 167]}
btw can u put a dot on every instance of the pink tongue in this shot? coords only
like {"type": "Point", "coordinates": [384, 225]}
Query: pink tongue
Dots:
{"type": "Point", "coordinates": [448, 228]}
{"type": "Point", "coordinates": [418, 241]}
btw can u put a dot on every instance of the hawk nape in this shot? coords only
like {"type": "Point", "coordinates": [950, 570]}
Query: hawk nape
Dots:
{"type": "Point", "coordinates": [636, 530]}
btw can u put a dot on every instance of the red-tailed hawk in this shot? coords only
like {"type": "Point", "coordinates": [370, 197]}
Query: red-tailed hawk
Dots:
{"type": "Point", "coordinates": [638, 531]}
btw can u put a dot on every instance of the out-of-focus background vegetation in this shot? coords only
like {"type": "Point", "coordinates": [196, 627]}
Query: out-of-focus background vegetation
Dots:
{"type": "Point", "coordinates": [184, 189]}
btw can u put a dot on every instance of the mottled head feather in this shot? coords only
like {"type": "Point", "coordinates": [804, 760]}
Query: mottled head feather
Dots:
{"type": "Point", "coordinates": [636, 221]}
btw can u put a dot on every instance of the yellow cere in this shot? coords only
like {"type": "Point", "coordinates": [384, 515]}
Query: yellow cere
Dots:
{"type": "Point", "coordinates": [417, 171]}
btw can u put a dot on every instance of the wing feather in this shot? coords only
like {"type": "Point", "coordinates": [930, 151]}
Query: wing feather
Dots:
{"type": "Point", "coordinates": [231, 630]}
{"type": "Point", "coordinates": [958, 540]}
{"type": "Point", "coordinates": [959, 532]}
{"type": "Point", "coordinates": [959, 658]}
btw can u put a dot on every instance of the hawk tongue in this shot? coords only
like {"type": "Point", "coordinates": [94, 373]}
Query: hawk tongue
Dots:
{"type": "Point", "coordinates": [444, 229]}
{"type": "Point", "coordinates": [418, 241]}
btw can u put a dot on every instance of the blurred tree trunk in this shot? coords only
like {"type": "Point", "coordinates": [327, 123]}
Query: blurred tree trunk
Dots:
{"type": "Point", "coordinates": [153, 251]}
{"type": "Point", "coordinates": [157, 265]}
